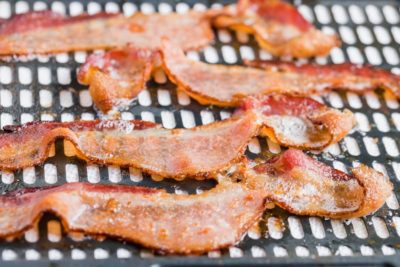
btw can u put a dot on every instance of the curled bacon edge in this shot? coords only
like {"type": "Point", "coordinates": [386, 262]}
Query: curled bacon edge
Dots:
{"type": "Point", "coordinates": [116, 77]}
{"type": "Point", "coordinates": [293, 179]}
{"type": "Point", "coordinates": [287, 118]}
{"type": "Point", "coordinates": [278, 27]}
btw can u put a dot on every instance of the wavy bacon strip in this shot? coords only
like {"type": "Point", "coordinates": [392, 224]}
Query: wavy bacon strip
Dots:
{"type": "Point", "coordinates": [279, 28]}
{"type": "Point", "coordinates": [48, 32]}
{"type": "Point", "coordinates": [199, 79]}
{"type": "Point", "coordinates": [116, 77]}
{"type": "Point", "coordinates": [312, 78]}
{"type": "Point", "coordinates": [215, 84]}
{"type": "Point", "coordinates": [201, 151]}
{"type": "Point", "coordinates": [304, 186]}
{"type": "Point", "coordinates": [151, 217]}
{"type": "Point", "coordinates": [199, 223]}
{"type": "Point", "coordinates": [300, 122]}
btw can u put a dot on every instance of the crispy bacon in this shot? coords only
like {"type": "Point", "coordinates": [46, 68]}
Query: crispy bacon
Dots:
{"type": "Point", "coordinates": [305, 186]}
{"type": "Point", "coordinates": [278, 28]}
{"type": "Point", "coordinates": [312, 78]}
{"type": "Point", "coordinates": [199, 79]}
{"type": "Point", "coordinates": [116, 77]}
{"type": "Point", "coordinates": [213, 84]}
{"type": "Point", "coordinates": [49, 32]}
{"type": "Point", "coordinates": [299, 122]}
{"type": "Point", "coordinates": [177, 153]}
{"type": "Point", "coordinates": [43, 19]}
{"type": "Point", "coordinates": [151, 217]}
{"type": "Point", "coordinates": [291, 121]}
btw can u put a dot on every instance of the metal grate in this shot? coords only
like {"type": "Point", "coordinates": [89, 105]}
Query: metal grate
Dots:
{"type": "Point", "coordinates": [46, 89]}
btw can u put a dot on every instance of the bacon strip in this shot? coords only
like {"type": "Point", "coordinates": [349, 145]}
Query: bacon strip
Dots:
{"type": "Point", "coordinates": [49, 32]}
{"type": "Point", "coordinates": [213, 84]}
{"type": "Point", "coordinates": [300, 122]}
{"type": "Point", "coordinates": [305, 186]}
{"type": "Point", "coordinates": [153, 218]}
{"type": "Point", "coordinates": [304, 123]}
{"type": "Point", "coordinates": [279, 28]}
{"type": "Point", "coordinates": [312, 78]}
{"type": "Point", "coordinates": [199, 79]}
{"type": "Point", "coordinates": [178, 153]}
{"type": "Point", "coordinates": [116, 77]}
{"type": "Point", "coordinates": [41, 20]}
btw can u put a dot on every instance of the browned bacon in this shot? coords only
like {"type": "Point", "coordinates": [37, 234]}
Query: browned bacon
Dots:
{"type": "Point", "coordinates": [198, 223]}
{"type": "Point", "coordinates": [312, 78]}
{"type": "Point", "coordinates": [41, 20]}
{"type": "Point", "coordinates": [116, 77]}
{"type": "Point", "coordinates": [199, 79]}
{"type": "Point", "coordinates": [49, 32]}
{"type": "Point", "coordinates": [201, 151]}
{"type": "Point", "coordinates": [213, 84]}
{"type": "Point", "coordinates": [300, 122]}
{"type": "Point", "coordinates": [292, 121]}
{"type": "Point", "coordinates": [278, 28]}
{"type": "Point", "coordinates": [151, 217]}
{"type": "Point", "coordinates": [305, 186]}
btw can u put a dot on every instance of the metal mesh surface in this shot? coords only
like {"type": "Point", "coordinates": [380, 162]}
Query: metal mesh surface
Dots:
{"type": "Point", "coordinates": [45, 88]}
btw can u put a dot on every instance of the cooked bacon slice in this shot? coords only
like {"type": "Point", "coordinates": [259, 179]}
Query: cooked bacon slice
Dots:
{"type": "Point", "coordinates": [213, 84]}
{"type": "Point", "coordinates": [43, 19]}
{"type": "Point", "coordinates": [116, 77]}
{"type": "Point", "coordinates": [278, 27]}
{"type": "Point", "coordinates": [234, 83]}
{"type": "Point", "coordinates": [151, 217]}
{"type": "Point", "coordinates": [305, 186]}
{"type": "Point", "coordinates": [48, 32]}
{"type": "Point", "coordinates": [300, 122]}
{"type": "Point", "coordinates": [177, 153]}
{"type": "Point", "coordinates": [313, 78]}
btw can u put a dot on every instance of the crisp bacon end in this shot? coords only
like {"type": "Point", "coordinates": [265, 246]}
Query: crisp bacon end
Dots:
{"type": "Point", "coordinates": [117, 76]}
{"type": "Point", "coordinates": [299, 122]}
{"type": "Point", "coordinates": [304, 186]}
{"type": "Point", "coordinates": [278, 28]}
{"type": "Point", "coordinates": [153, 218]}
{"type": "Point", "coordinates": [318, 78]}
{"type": "Point", "coordinates": [201, 151]}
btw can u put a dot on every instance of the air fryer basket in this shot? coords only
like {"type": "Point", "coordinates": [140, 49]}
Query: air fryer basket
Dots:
{"type": "Point", "coordinates": [45, 88]}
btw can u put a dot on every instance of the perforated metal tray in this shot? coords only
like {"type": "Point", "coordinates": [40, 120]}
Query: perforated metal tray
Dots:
{"type": "Point", "coordinates": [46, 89]}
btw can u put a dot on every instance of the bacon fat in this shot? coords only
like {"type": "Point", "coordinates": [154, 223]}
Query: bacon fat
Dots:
{"type": "Point", "coordinates": [116, 77]}
{"type": "Point", "coordinates": [201, 151]}
{"type": "Point", "coordinates": [48, 32]}
{"type": "Point", "coordinates": [151, 217]}
{"type": "Point", "coordinates": [312, 78]}
{"type": "Point", "coordinates": [304, 186]}
{"type": "Point", "coordinates": [278, 27]}
{"type": "Point", "coordinates": [299, 122]}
